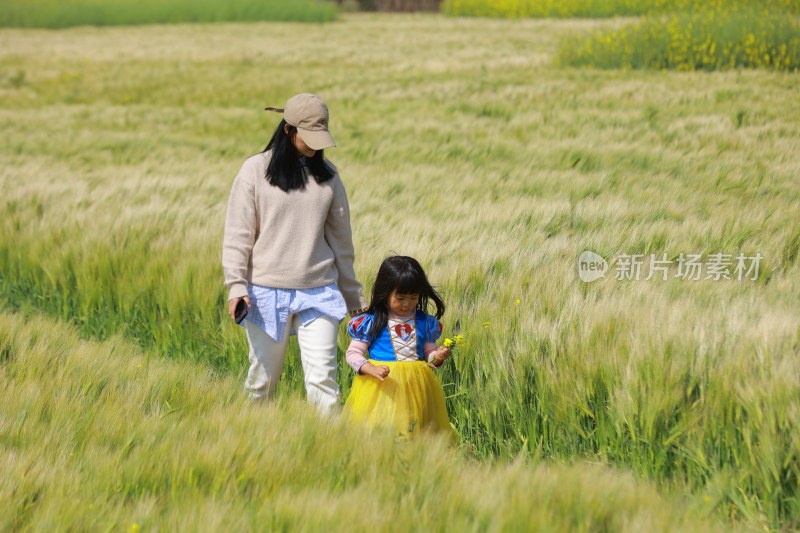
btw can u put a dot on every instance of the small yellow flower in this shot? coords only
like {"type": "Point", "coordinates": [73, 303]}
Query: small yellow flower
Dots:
{"type": "Point", "coordinates": [458, 340]}
{"type": "Point", "coordinates": [448, 343]}
{"type": "Point", "coordinates": [134, 528]}
{"type": "Point", "coordinates": [517, 301]}
{"type": "Point", "coordinates": [487, 325]}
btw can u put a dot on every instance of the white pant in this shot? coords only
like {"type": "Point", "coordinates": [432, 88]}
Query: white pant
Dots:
{"type": "Point", "coordinates": [317, 352]}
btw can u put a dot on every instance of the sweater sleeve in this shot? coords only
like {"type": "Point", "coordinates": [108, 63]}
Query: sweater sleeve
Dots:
{"type": "Point", "coordinates": [240, 232]}
{"type": "Point", "coordinates": [340, 239]}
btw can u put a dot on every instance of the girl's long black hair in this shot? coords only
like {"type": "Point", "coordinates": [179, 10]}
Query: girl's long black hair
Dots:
{"type": "Point", "coordinates": [285, 170]}
{"type": "Point", "coordinates": [404, 275]}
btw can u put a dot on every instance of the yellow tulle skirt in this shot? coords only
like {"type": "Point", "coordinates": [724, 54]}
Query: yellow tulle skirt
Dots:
{"type": "Point", "coordinates": [409, 400]}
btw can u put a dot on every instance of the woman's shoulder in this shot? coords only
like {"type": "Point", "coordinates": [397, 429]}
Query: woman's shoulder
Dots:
{"type": "Point", "coordinates": [335, 179]}
{"type": "Point", "coordinates": [259, 160]}
{"type": "Point", "coordinates": [255, 165]}
{"type": "Point", "coordinates": [330, 165]}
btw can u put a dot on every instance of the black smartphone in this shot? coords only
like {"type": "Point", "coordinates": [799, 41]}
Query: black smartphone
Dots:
{"type": "Point", "coordinates": [241, 311]}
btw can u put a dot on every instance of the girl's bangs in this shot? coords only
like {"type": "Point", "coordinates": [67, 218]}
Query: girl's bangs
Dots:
{"type": "Point", "coordinates": [409, 283]}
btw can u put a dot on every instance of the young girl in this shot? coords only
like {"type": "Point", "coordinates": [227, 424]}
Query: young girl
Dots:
{"type": "Point", "coordinates": [397, 385]}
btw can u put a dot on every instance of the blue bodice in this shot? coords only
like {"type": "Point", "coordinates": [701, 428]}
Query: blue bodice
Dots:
{"type": "Point", "coordinates": [387, 345]}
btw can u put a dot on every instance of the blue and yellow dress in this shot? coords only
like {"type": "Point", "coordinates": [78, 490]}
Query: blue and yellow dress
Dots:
{"type": "Point", "coordinates": [411, 398]}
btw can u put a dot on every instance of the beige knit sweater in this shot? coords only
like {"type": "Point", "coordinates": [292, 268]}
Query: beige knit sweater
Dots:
{"type": "Point", "coordinates": [295, 240]}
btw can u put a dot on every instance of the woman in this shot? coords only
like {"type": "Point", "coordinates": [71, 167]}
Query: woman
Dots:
{"type": "Point", "coordinates": [288, 253]}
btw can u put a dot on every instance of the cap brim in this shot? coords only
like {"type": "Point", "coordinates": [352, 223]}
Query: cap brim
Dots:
{"type": "Point", "coordinates": [317, 140]}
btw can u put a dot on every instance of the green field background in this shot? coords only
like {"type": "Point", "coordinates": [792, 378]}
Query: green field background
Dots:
{"type": "Point", "coordinates": [461, 144]}
{"type": "Point", "coordinates": [55, 14]}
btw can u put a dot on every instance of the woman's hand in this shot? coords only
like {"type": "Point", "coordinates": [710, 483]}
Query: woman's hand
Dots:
{"type": "Point", "coordinates": [232, 305]}
{"type": "Point", "coordinates": [377, 372]}
{"type": "Point", "coordinates": [355, 312]}
{"type": "Point", "coordinates": [438, 357]}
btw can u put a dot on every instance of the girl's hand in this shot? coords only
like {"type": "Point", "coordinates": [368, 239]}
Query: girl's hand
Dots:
{"type": "Point", "coordinates": [377, 372]}
{"type": "Point", "coordinates": [438, 357]}
{"type": "Point", "coordinates": [232, 305]}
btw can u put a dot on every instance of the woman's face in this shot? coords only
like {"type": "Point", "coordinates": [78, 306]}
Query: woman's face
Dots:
{"type": "Point", "coordinates": [299, 145]}
{"type": "Point", "coordinates": [402, 304]}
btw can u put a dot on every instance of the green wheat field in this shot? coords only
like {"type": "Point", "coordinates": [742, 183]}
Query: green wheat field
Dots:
{"type": "Point", "coordinates": [616, 405]}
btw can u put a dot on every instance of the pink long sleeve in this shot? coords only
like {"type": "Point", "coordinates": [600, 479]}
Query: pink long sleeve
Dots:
{"type": "Point", "coordinates": [355, 355]}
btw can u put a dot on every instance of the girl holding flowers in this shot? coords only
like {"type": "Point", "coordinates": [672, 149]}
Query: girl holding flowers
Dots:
{"type": "Point", "coordinates": [397, 386]}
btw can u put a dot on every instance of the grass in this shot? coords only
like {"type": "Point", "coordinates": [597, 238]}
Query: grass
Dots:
{"type": "Point", "coordinates": [101, 436]}
{"type": "Point", "coordinates": [707, 39]}
{"type": "Point", "coordinates": [460, 143]}
{"type": "Point", "coordinates": [54, 14]}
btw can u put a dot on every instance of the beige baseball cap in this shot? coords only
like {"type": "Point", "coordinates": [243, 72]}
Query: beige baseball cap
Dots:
{"type": "Point", "coordinates": [309, 114]}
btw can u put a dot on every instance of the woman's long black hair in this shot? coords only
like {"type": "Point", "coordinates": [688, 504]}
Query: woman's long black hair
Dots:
{"type": "Point", "coordinates": [404, 275]}
{"type": "Point", "coordinates": [285, 170]}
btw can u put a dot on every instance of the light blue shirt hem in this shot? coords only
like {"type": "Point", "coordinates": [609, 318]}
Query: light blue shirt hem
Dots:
{"type": "Point", "coordinates": [271, 308]}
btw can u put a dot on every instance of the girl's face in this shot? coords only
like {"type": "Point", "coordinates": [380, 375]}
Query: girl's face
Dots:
{"type": "Point", "coordinates": [300, 145]}
{"type": "Point", "coordinates": [402, 304]}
